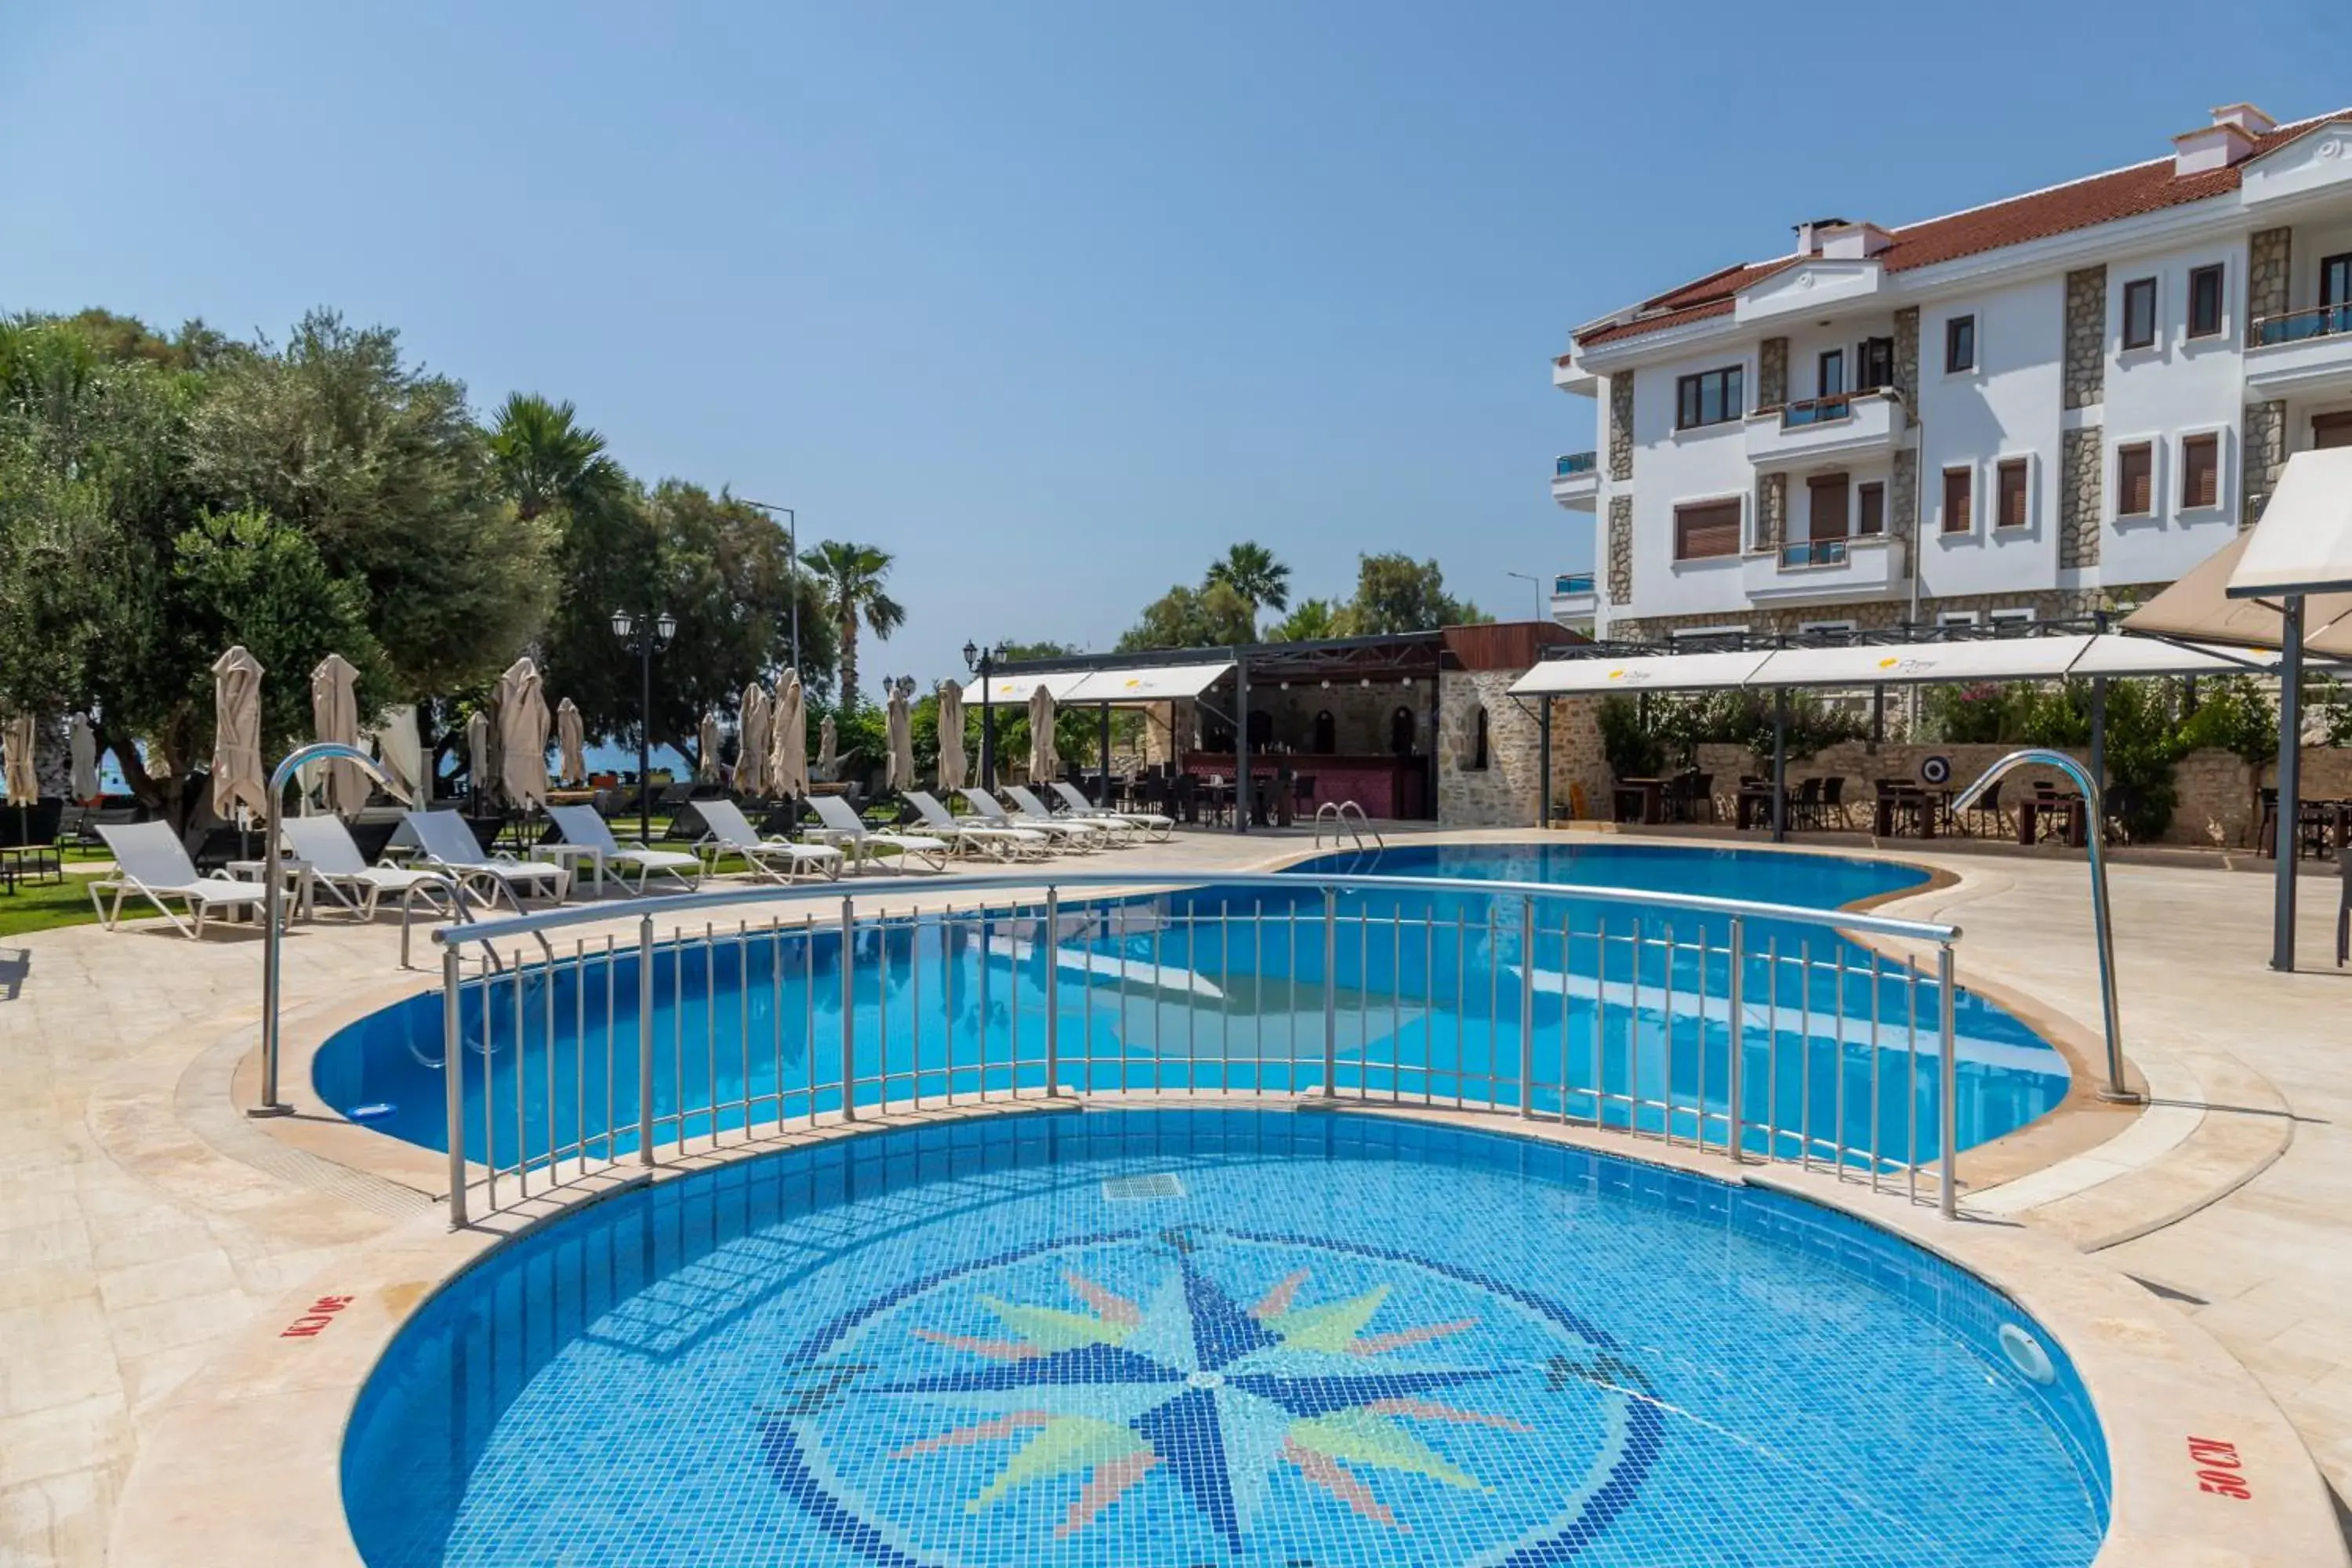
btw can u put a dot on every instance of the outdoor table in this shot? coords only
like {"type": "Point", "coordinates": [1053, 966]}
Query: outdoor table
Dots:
{"type": "Point", "coordinates": [300, 880]}
{"type": "Point", "coordinates": [1899, 799]}
{"type": "Point", "coordinates": [569, 857]}
{"type": "Point", "coordinates": [1648, 796]}
{"type": "Point", "coordinates": [2030, 806]}
{"type": "Point", "coordinates": [1755, 807]}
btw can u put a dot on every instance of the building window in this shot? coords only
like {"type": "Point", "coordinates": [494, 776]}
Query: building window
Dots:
{"type": "Point", "coordinates": [1826, 628]}
{"type": "Point", "coordinates": [2136, 479]}
{"type": "Point", "coordinates": [1706, 531]}
{"type": "Point", "coordinates": [1327, 732]}
{"type": "Point", "coordinates": [1401, 732]}
{"type": "Point", "coordinates": [1959, 344]}
{"type": "Point", "coordinates": [1478, 745]}
{"type": "Point", "coordinates": [1829, 378]}
{"type": "Point", "coordinates": [2016, 615]}
{"type": "Point", "coordinates": [2200, 472]}
{"type": "Point", "coordinates": [1956, 617]}
{"type": "Point", "coordinates": [2009, 492]}
{"type": "Point", "coordinates": [1710, 397]}
{"type": "Point", "coordinates": [1877, 364]}
{"type": "Point", "coordinates": [1958, 517]}
{"type": "Point", "coordinates": [2140, 313]}
{"type": "Point", "coordinates": [2205, 301]}
{"type": "Point", "coordinates": [1870, 508]}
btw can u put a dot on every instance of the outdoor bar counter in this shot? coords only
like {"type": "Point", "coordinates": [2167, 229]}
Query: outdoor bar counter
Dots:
{"type": "Point", "coordinates": [1389, 787]}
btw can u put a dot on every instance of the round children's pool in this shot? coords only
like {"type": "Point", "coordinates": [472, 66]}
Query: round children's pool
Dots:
{"type": "Point", "coordinates": [1266, 1338]}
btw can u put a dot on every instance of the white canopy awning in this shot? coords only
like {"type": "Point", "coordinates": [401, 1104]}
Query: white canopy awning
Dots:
{"type": "Point", "coordinates": [1159, 683]}
{"type": "Point", "coordinates": [1016, 689]}
{"type": "Point", "coordinates": [1657, 672]}
{"type": "Point", "coordinates": [1858, 665]}
{"type": "Point", "coordinates": [2304, 542]}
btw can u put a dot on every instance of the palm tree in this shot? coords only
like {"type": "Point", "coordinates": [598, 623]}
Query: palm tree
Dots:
{"type": "Point", "coordinates": [1250, 570]}
{"type": "Point", "coordinates": [1312, 621]}
{"type": "Point", "coordinates": [546, 458]}
{"type": "Point", "coordinates": [850, 576]}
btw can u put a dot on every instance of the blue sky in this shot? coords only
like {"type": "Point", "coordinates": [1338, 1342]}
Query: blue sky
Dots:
{"type": "Point", "coordinates": [1054, 300]}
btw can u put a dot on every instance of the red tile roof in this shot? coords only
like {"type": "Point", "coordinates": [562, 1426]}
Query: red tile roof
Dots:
{"type": "Point", "coordinates": [2083, 203]}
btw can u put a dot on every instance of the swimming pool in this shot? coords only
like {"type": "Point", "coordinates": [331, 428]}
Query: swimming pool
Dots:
{"type": "Point", "coordinates": [1267, 1339]}
{"type": "Point", "coordinates": [1565, 1007]}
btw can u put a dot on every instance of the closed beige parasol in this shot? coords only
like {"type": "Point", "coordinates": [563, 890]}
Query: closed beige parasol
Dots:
{"type": "Point", "coordinates": [1045, 759]}
{"type": "Point", "coordinates": [791, 737]}
{"type": "Point", "coordinates": [572, 740]}
{"type": "Point", "coordinates": [335, 710]}
{"type": "Point", "coordinates": [522, 736]}
{"type": "Point", "coordinates": [752, 742]}
{"type": "Point", "coordinates": [953, 766]}
{"type": "Point", "coordinates": [22, 784]}
{"type": "Point", "coordinates": [237, 776]}
{"type": "Point", "coordinates": [899, 728]}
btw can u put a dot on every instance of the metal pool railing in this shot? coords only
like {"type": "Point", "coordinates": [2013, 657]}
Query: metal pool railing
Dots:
{"type": "Point", "coordinates": [1761, 1032]}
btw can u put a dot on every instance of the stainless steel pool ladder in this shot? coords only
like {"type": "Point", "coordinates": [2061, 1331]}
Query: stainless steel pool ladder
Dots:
{"type": "Point", "coordinates": [2095, 802]}
{"type": "Point", "coordinates": [1346, 816]}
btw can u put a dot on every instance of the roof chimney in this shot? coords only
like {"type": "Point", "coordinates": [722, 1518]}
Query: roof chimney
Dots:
{"type": "Point", "coordinates": [1809, 233]}
{"type": "Point", "coordinates": [2230, 137]}
{"type": "Point", "coordinates": [1852, 241]}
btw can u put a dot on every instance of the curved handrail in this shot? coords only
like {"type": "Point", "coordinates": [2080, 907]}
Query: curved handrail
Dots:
{"type": "Point", "coordinates": [1015, 889]}
{"type": "Point", "coordinates": [2094, 802]}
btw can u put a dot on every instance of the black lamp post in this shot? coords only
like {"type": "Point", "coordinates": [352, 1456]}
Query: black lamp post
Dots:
{"type": "Point", "coordinates": [982, 661]}
{"type": "Point", "coordinates": [647, 638]}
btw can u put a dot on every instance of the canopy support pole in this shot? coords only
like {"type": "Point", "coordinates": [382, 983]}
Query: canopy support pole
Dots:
{"type": "Point", "coordinates": [1543, 763]}
{"type": "Point", "coordinates": [2285, 836]}
{"type": "Point", "coordinates": [1245, 791]}
{"type": "Point", "coordinates": [1780, 765]}
{"type": "Point", "coordinates": [2099, 748]}
{"type": "Point", "coordinates": [1102, 797]}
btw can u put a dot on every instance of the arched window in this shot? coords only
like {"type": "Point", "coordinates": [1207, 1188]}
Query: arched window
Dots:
{"type": "Point", "coordinates": [1327, 732]}
{"type": "Point", "coordinates": [1260, 729]}
{"type": "Point", "coordinates": [1400, 731]}
{"type": "Point", "coordinates": [1478, 745]}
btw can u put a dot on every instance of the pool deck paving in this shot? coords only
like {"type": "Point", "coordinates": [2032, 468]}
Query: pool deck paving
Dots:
{"type": "Point", "coordinates": [149, 1227]}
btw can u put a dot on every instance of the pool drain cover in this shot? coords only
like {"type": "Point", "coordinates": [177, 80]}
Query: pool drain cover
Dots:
{"type": "Point", "coordinates": [1142, 1189]}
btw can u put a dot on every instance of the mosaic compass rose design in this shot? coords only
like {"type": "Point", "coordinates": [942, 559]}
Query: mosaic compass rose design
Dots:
{"type": "Point", "coordinates": [1198, 1395]}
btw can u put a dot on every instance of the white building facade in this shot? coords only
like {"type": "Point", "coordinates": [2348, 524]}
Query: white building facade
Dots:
{"type": "Point", "coordinates": [2036, 408]}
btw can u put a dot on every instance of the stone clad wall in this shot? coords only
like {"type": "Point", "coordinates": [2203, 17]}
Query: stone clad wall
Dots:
{"type": "Point", "coordinates": [2269, 259]}
{"type": "Point", "coordinates": [2265, 454]}
{"type": "Point", "coordinates": [1771, 372]}
{"type": "Point", "coordinates": [1508, 791]}
{"type": "Point", "coordinates": [1621, 426]}
{"type": "Point", "coordinates": [1906, 360]}
{"type": "Point", "coordinates": [2087, 338]}
{"type": "Point", "coordinates": [2081, 471]}
{"type": "Point", "coordinates": [1771, 509]}
{"type": "Point", "coordinates": [1620, 550]}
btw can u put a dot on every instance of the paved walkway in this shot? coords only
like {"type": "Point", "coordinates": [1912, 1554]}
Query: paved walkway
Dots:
{"type": "Point", "coordinates": [144, 1220]}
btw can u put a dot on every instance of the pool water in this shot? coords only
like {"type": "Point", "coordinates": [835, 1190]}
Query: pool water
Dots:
{"type": "Point", "coordinates": [1424, 993]}
{"type": "Point", "coordinates": [1261, 1339]}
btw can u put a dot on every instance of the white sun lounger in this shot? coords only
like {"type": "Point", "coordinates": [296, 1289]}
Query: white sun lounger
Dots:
{"type": "Point", "coordinates": [840, 825]}
{"type": "Point", "coordinates": [337, 863]}
{"type": "Point", "coordinates": [150, 860]}
{"type": "Point", "coordinates": [729, 832]}
{"type": "Point", "coordinates": [973, 838]}
{"type": "Point", "coordinates": [580, 825]}
{"type": "Point", "coordinates": [1033, 811]}
{"type": "Point", "coordinates": [445, 842]}
{"type": "Point", "coordinates": [1146, 822]}
{"type": "Point", "coordinates": [1065, 831]}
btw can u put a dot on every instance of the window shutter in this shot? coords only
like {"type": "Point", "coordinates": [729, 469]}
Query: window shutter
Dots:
{"type": "Point", "coordinates": [1708, 530]}
{"type": "Point", "coordinates": [1957, 518]}
{"type": "Point", "coordinates": [2013, 493]}
{"type": "Point", "coordinates": [2135, 476]}
{"type": "Point", "coordinates": [2200, 463]}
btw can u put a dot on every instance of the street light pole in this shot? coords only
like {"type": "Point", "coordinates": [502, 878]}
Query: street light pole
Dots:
{"type": "Point", "coordinates": [791, 549]}
{"type": "Point", "coordinates": [1531, 577]}
{"type": "Point", "coordinates": [982, 661]}
{"type": "Point", "coordinates": [650, 632]}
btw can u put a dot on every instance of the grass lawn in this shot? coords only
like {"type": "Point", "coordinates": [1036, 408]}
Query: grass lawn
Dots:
{"type": "Point", "coordinates": [40, 906]}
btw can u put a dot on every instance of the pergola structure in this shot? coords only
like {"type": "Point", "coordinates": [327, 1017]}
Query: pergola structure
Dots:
{"type": "Point", "coordinates": [2045, 652]}
{"type": "Point", "coordinates": [1104, 682]}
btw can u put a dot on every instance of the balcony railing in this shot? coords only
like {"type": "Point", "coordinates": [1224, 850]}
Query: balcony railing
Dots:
{"type": "Point", "coordinates": [1813, 553]}
{"type": "Point", "coordinates": [1572, 464]}
{"type": "Point", "coordinates": [2300, 326]}
{"type": "Point", "coordinates": [1569, 583]}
